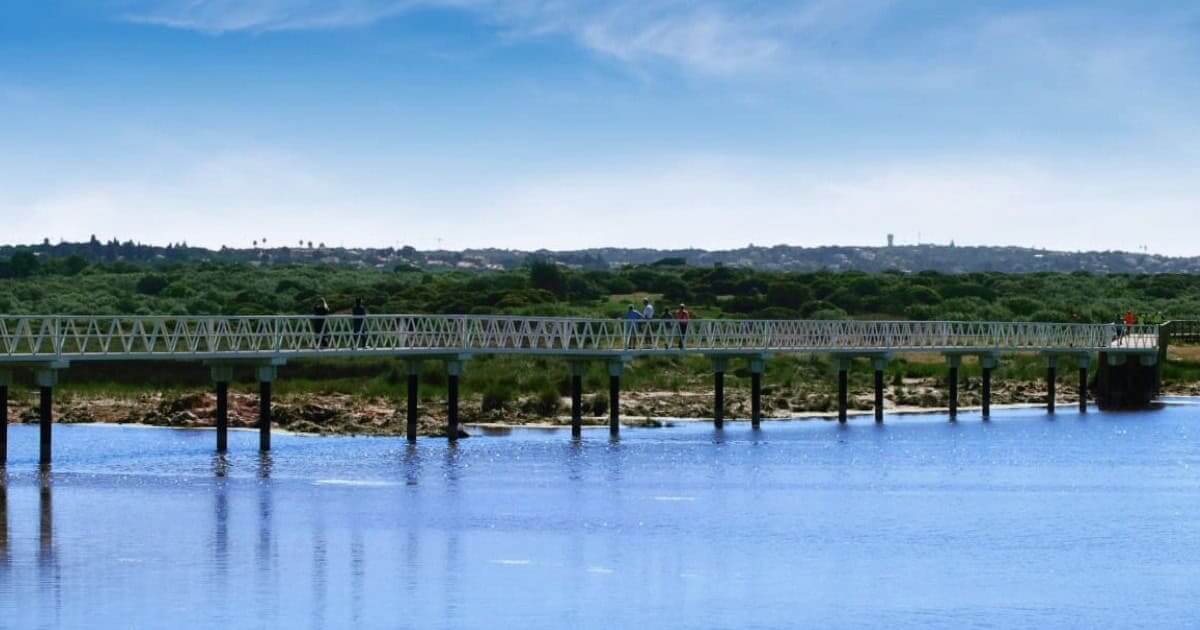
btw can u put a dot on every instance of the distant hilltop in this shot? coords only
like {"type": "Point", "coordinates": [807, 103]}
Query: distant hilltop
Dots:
{"type": "Point", "coordinates": [902, 258]}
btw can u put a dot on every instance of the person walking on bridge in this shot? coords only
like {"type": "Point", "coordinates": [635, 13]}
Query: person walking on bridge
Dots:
{"type": "Point", "coordinates": [631, 323]}
{"type": "Point", "coordinates": [360, 321]}
{"type": "Point", "coordinates": [682, 317]}
{"type": "Point", "coordinates": [320, 312]}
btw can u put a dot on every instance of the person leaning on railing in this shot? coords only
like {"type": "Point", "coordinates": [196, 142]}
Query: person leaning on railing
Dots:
{"type": "Point", "coordinates": [320, 312]}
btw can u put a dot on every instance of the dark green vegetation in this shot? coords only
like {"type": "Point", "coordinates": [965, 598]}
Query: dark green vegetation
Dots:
{"type": "Point", "coordinates": [34, 285]}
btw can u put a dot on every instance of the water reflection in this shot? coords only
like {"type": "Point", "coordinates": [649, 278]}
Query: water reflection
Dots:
{"type": "Point", "coordinates": [45, 518]}
{"type": "Point", "coordinates": [358, 575]}
{"type": "Point", "coordinates": [266, 558]}
{"type": "Point", "coordinates": [49, 571]}
{"type": "Point", "coordinates": [412, 464]}
{"type": "Point", "coordinates": [4, 554]}
{"type": "Point", "coordinates": [320, 571]}
{"type": "Point", "coordinates": [574, 460]}
{"type": "Point", "coordinates": [711, 529]}
{"type": "Point", "coordinates": [451, 464]}
{"type": "Point", "coordinates": [264, 465]}
{"type": "Point", "coordinates": [220, 465]}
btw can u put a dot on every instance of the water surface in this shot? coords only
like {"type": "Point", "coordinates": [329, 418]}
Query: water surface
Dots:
{"type": "Point", "coordinates": [1025, 521]}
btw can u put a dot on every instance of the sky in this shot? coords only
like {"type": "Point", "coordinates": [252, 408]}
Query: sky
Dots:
{"type": "Point", "coordinates": [563, 124]}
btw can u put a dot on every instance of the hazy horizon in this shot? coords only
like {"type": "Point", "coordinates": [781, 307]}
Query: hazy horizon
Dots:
{"type": "Point", "coordinates": [1065, 125]}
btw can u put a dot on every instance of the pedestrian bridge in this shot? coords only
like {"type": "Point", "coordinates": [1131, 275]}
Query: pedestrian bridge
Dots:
{"type": "Point", "coordinates": [49, 344]}
{"type": "Point", "coordinates": [69, 338]}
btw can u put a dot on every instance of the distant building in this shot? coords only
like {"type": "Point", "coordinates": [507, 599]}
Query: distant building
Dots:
{"type": "Point", "coordinates": [891, 239]}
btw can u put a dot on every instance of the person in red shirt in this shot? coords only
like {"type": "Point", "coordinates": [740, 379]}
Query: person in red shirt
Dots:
{"type": "Point", "coordinates": [682, 316]}
{"type": "Point", "coordinates": [1130, 319]}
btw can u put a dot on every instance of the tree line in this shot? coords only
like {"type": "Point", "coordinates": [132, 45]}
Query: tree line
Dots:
{"type": "Point", "coordinates": [73, 285]}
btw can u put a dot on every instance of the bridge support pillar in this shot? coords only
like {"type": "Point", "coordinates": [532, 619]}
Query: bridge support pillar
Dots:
{"type": "Point", "coordinates": [577, 370]}
{"type": "Point", "coordinates": [1084, 360]}
{"type": "Point", "coordinates": [988, 364]}
{"type": "Point", "coordinates": [46, 379]}
{"type": "Point", "coordinates": [953, 362]}
{"type": "Point", "coordinates": [615, 368]}
{"type": "Point", "coordinates": [719, 366]}
{"type": "Point", "coordinates": [880, 364]}
{"type": "Point", "coordinates": [222, 375]}
{"type": "Point", "coordinates": [757, 367]}
{"type": "Point", "coordinates": [410, 428]}
{"type": "Point", "coordinates": [266, 375]}
{"type": "Point", "coordinates": [843, 377]}
{"type": "Point", "coordinates": [5, 383]}
{"type": "Point", "coordinates": [453, 372]}
{"type": "Point", "coordinates": [1051, 381]}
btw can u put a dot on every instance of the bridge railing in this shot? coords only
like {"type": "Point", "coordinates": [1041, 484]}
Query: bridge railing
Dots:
{"type": "Point", "coordinates": [38, 337]}
{"type": "Point", "coordinates": [1182, 330]}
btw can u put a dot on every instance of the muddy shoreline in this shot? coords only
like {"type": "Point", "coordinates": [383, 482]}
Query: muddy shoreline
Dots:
{"type": "Point", "coordinates": [345, 414]}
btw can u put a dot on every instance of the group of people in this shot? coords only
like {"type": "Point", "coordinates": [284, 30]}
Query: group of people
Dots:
{"type": "Point", "coordinates": [636, 328]}
{"type": "Point", "coordinates": [358, 324]}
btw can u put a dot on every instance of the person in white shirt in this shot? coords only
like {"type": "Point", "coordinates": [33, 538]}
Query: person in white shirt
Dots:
{"type": "Point", "coordinates": [647, 318]}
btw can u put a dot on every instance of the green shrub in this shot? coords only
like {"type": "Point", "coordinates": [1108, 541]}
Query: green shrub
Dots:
{"type": "Point", "coordinates": [497, 397]}
{"type": "Point", "coordinates": [598, 404]}
{"type": "Point", "coordinates": [151, 284]}
{"type": "Point", "coordinates": [549, 403]}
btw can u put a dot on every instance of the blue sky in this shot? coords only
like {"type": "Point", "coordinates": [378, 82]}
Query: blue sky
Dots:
{"type": "Point", "coordinates": [571, 123]}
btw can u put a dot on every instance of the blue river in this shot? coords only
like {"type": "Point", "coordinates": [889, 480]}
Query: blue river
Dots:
{"type": "Point", "coordinates": [1025, 521]}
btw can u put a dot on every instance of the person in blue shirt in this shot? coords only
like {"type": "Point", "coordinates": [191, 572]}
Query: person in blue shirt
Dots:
{"type": "Point", "coordinates": [632, 317]}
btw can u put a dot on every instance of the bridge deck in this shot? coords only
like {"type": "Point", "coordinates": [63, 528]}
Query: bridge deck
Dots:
{"type": "Point", "coordinates": [39, 339]}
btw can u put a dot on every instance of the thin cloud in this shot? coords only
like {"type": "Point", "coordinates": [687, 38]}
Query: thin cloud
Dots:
{"type": "Point", "coordinates": [223, 16]}
{"type": "Point", "coordinates": [707, 36]}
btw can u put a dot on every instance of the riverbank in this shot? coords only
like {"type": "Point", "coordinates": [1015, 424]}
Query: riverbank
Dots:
{"type": "Point", "coordinates": [347, 414]}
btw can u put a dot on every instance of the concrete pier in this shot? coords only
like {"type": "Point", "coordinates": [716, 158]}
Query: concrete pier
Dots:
{"type": "Point", "coordinates": [1084, 360]}
{"type": "Point", "coordinates": [615, 368]}
{"type": "Point", "coordinates": [988, 363]}
{"type": "Point", "coordinates": [843, 378]}
{"type": "Point", "coordinates": [414, 375]}
{"type": "Point", "coordinates": [266, 376]}
{"type": "Point", "coordinates": [1051, 382]}
{"type": "Point", "coordinates": [719, 366]}
{"type": "Point", "coordinates": [46, 380]}
{"type": "Point", "coordinates": [953, 361]}
{"type": "Point", "coordinates": [757, 367]}
{"type": "Point", "coordinates": [577, 370]}
{"type": "Point", "coordinates": [880, 365]}
{"type": "Point", "coordinates": [453, 372]}
{"type": "Point", "coordinates": [222, 375]}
